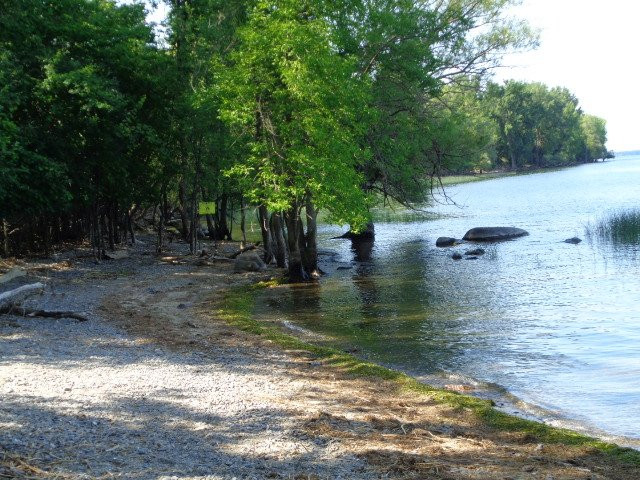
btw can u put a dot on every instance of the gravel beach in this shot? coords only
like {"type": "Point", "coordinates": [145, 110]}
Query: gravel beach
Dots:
{"type": "Point", "coordinates": [153, 387]}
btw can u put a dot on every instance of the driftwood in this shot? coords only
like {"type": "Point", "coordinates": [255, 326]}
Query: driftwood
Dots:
{"type": "Point", "coordinates": [10, 303]}
{"type": "Point", "coordinates": [11, 274]}
{"type": "Point", "coordinates": [17, 295]}
{"type": "Point", "coordinates": [34, 312]}
{"type": "Point", "coordinates": [242, 250]}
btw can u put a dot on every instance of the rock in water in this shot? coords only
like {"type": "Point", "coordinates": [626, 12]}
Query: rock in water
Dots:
{"type": "Point", "coordinates": [574, 240]}
{"type": "Point", "coordinates": [249, 262]}
{"type": "Point", "coordinates": [475, 252]}
{"type": "Point", "coordinates": [445, 242]}
{"type": "Point", "coordinates": [492, 234]}
{"type": "Point", "coordinates": [456, 256]}
{"type": "Point", "coordinates": [368, 234]}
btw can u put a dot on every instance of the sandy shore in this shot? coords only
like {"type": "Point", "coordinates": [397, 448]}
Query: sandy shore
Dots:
{"type": "Point", "coordinates": [154, 386]}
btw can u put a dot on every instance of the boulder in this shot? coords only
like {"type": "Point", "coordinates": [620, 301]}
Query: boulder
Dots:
{"type": "Point", "coordinates": [116, 254]}
{"type": "Point", "coordinates": [249, 262]}
{"type": "Point", "coordinates": [573, 240]}
{"type": "Point", "coordinates": [446, 242]}
{"type": "Point", "coordinates": [475, 252]}
{"type": "Point", "coordinates": [493, 234]}
{"type": "Point", "coordinates": [456, 256]}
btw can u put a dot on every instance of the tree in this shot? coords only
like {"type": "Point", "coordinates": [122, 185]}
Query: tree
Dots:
{"type": "Point", "coordinates": [409, 50]}
{"type": "Point", "coordinates": [537, 126]}
{"type": "Point", "coordinates": [301, 112]}
{"type": "Point", "coordinates": [594, 133]}
{"type": "Point", "coordinates": [78, 91]}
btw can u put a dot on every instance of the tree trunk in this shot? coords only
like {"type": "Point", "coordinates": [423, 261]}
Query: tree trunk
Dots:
{"type": "Point", "coordinates": [311, 241]}
{"type": "Point", "coordinates": [296, 269]}
{"type": "Point", "coordinates": [5, 238]}
{"type": "Point", "coordinates": [280, 247]}
{"type": "Point", "coordinates": [163, 212]}
{"type": "Point", "coordinates": [243, 221]}
{"type": "Point", "coordinates": [211, 229]}
{"type": "Point", "coordinates": [130, 226]}
{"type": "Point", "coordinates": [195, 222]}
{"type": "Point", "coordinates": [265, 229]}
{"type": "Point", "coordinates": [182, 209]}
{"type": "Point", "coordinates": [222, 229]}
{"type": "Point", "coordinates": [110, 228]}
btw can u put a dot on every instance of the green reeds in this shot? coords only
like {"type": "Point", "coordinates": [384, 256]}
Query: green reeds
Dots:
{"type": "Point", "coordinates": [619, 227]}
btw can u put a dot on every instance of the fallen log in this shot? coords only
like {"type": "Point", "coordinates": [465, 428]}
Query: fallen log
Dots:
{"type": "Point", "coordinates": [242, 250]}
{"type": "Point", "coordinates": [34, 312]}
{"type": "Point", "coordinates": [11, 274]}
{"type": "Point", "coordinates": [17, 295]}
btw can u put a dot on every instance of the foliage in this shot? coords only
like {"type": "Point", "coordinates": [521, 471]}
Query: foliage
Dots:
{"type": "Point", "coordinates": [299, 110]}
{"type": "Point", "coordinates": [77, 77]}
{"type": "Point", "coordinates": [540, 126]}
{"type": "Point", "coordinates": [286, 104]}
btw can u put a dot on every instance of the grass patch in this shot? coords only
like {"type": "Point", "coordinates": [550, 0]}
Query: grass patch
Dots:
{"type": "Point", "coordinates": [237, 310]}
{"type": "Point", "coordinates": [450, 180]}
{"type": "Point", "coordinates": [621, 227]}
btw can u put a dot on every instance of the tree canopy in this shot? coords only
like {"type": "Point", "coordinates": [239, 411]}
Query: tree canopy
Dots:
{"type": "Point", "coordinates": [287, 106]}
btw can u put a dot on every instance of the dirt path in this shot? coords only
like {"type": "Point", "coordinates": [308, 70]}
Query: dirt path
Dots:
{"type": "Point", "coordinates": [154, 387]}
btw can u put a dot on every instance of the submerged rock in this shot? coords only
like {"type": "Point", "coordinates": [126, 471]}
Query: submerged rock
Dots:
{"type": "Point", "coordinates": [475, 252]}
{"type": "Point", "coordinates": [456, 256]}
{"type": "Point", "coordinates": [573, 240]}
{"type": "Point", "coordinates": [492, 234]}
{"type": "Point", "coordinates": [445, 242]}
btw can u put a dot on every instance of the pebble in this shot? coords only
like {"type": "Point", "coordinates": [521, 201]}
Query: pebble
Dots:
{"type": "Point", "coordinates": [90, 400]}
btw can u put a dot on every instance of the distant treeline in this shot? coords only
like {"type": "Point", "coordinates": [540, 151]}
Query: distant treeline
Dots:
{"type": "Point", "coordinates": [286, 106]}
{"type": "Point", "coordinates": [519, 125]}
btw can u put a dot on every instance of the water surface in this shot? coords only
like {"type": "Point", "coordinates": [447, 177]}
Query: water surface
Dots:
{"type": "Point", "coordinates": [555, 324]}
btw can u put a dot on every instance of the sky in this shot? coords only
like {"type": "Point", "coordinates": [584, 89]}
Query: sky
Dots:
{"type": "Point", "coordinates": [592, 48]}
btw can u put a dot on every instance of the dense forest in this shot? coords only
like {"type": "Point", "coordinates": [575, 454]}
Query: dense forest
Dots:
{"type": "Point", "coordinates": [289, 107]}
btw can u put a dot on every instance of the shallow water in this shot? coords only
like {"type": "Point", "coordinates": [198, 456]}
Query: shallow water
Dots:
{"type": "Point", "coordinates": [555, 324]}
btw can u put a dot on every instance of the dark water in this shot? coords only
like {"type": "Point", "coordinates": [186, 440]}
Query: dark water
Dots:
{"type": "Point", "coordinates": [555, 324]}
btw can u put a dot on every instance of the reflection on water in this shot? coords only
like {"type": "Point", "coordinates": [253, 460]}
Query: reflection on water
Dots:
{"type": "Point", "coordinates": [556, 324]}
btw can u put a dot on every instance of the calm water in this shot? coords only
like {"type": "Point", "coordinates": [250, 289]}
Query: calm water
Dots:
{"type": "Point", "coordinates": [556, 325]}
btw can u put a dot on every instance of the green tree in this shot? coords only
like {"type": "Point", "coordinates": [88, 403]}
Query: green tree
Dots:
{"type": "Point", "coordinates": [301, 112]}
{"type": "Point", "coordinates": [409, 51]}
{"type": "Point", "coordinates": [594, 135]}
{"type": "Point", "coordinates": [76, 112]}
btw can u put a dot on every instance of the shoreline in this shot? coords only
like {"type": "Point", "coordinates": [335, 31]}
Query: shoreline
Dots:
{"type": "Point", "coordinates": [452, 180]}
{"type": "Point", "coordinates": [172, 376]}
{"type": "Point", "coordinates": [485, 408]}
{"type": "Point", "coordinates": [502, 399]}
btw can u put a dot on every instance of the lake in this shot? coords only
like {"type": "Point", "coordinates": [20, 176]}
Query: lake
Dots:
{"type": "Point", "coordinates": [547, 329]}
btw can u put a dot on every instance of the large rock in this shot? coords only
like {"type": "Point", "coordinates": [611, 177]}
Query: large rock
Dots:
{"type": "Point", "coordinates": [249, 262]}
{"type": "Point", "coordinates": [492, 234]}
{"type": "Point", "coordinates": [446, 242]}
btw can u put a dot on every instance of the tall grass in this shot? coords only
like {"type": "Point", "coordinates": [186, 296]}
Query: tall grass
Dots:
{"type": "Point", "coordinates": [618, 227]}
